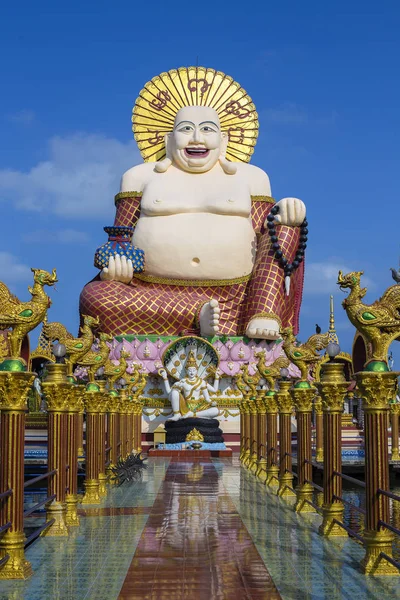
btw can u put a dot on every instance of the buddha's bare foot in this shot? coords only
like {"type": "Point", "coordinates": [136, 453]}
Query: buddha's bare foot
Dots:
{"type": "Point", "coordinates": [263, 328]}
{"type": "Point", "coordinates": [176, 417]}
{"type": "Point", "coordinates": [189, 414]}
{"type": "Point", "coordinates": [209, 318]}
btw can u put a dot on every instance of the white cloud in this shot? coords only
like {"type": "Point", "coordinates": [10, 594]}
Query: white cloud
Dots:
{"type": "Point", "coordinates": [286, 113]}
{"type": "Point", "coordinates": [321, 277]}
{"type": "Point", "coordinates": [12, 271]}
{"type": "Point", "coordinates": [79, 178]}
{"type": "Point", "coordinates": [291, 113]}
{"type": "Point", "coordinates": [64, 236]}
{"type": "Point", "coordinates": [22, 117]}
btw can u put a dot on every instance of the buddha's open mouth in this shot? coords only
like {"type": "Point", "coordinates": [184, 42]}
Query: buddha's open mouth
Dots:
{"type": "Point", "coordinates": [197, 151]}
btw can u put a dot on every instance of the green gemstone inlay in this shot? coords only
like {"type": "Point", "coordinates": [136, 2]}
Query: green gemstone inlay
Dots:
{"type": "Point", "coordinates": [297, 354]}
{"type": "Point", "coordinates": [80, 345]}
{"type": "Point", "coordinates": [26, 313]}
{"type": "Point", "coordinates": [377, 366]}
{"type": "Point", "coordinates": [12, 364]}
{"type": "Point", "coordinates": [302, 384]}
{"type": "Point", "coordinates": [367, 316]}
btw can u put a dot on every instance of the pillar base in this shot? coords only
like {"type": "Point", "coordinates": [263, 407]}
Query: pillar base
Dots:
{"type": "Point", "coordinates": [272, 476]}
{"type": "Point", "coordinates": [91, 495]}
{"type": "Point", "coordinates": [376, 542]}
{"type": "Point", "coordinates": [246, 458]}
{"type": "Point", "coordinates": [17, 567]}
{"type": "Point", "coordinates": [261, 472]}
{"type": "Point", "coordinates": [81, 452]}
{"type": "Point", "coordinates": [319, 455]}
{"type": "Point", "coordinates": [328, 527]}
{"type": "Point", "coordinates": [102, 485]}
{"type": "Point", "coordinates": [286, 482]}
{"type": "Point", "coordinates": [304, 495]}
{"type": "Point", "coordinates": [110, 474]}
{"type": "Point", "coordinates": [56, 511]}
{"type": "Point", "coordinates": [395, 454]}
{"type": "Point", "coordinates": [253, 464]}
{"type": "Point", "coordinates": [71, 517]}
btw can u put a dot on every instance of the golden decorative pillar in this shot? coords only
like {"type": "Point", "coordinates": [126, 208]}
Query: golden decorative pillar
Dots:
{"type": "Point", "coordinates": [130, 429]}
{"type": "Point", "coordinates": [395, 412]}
{"type": "Point", "coordinates": [332, 388]}
{"type": "Point", "coordinates": [246, 427]}
{"type": "Point", "coordinates": [261, 472]}
{"type": "Point", "coordinates": [302, 399]}
{"type": "Point", "coordinates": [252, 464]}
{"type": "Point", "coordinates": [102, 440]}
{"type": "Point", "coordinates": [113, 405]}
{"type": "Point", "coordinates": [319, 436]}
{"type": "Point", "coordinates": [57, 390]}
{"type": "Point", "coordinates": [93, 403]}
{"type": "Point", "coordinates": [242, 432]}
{"type": "Point", "coordinates": [377, 389]}
{"type": "Point", "coordinates": [137, 426]}
{"type": "Point", "coordinates": [271, 406]}
{"type": "Point", "coordinates": [75, 407]}
{"type": "Point", "coordinates": [285, 405]}
{"type": "Point", "coordinates": [123, 403]}
{"type": "Point", "coordinates": [81, 451]}
{"type": "Point", "coordinates": [14, 388]}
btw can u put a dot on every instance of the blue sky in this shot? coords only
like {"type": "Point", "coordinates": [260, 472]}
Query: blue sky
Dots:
{"type": "Point", "coordinates": [324, 78]}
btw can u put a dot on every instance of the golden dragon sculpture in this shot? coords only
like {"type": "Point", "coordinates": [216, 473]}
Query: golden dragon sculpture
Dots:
{"type": "Point", "coordinates": [379, 322]}
{"type": "Point", "coordinates": [114, 372]}
{"type": "Point", "coordinates": [22, 317]}
{"type": "Point", "coordinates": [273, 371]}
{"type": "Point", "coordinates": [251, 381]}
{"type": "Point", "coordinates": [75, 347]}
{"type": "Point", "coordinates": [304, 356]}
{"type": "Point", "coordinates": [95, 359]}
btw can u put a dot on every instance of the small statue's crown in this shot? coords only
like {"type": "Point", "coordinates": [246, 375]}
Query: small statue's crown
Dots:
{"type": "Point", "coordinates": [191, 361]}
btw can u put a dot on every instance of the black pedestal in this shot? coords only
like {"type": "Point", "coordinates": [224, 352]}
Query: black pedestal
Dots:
{"type": "Point", "coordinates": [178, 430]}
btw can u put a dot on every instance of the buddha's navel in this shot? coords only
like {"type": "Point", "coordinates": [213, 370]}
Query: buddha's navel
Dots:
{"type": "Point", "coordinates": [195, 261]}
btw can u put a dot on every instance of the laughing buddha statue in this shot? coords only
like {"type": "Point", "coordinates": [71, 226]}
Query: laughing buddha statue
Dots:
{"type": "Point", "coordinates": [192, 248]}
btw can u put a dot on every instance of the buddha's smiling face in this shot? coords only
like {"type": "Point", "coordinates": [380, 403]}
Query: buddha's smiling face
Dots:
{"type": "Point", "coordinates": [196, 142]}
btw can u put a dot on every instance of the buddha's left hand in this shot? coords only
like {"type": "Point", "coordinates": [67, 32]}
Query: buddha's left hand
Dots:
{"type": "Point", "coordinates": [292, 212]}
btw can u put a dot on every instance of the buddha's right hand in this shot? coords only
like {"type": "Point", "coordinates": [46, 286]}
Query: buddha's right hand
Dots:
{"type": "Point", "coordinates": [119, 269]}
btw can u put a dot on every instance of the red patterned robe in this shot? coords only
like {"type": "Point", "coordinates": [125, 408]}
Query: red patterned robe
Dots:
{"type": "Point", "coordinates": [170, 307]}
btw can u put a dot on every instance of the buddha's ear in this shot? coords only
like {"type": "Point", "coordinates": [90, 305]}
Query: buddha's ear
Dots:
{"type": "Point", "coordinates": [224, 143]}
{"type": "Point", "coordinates": [163, 165]}
{"type": "Point", "coordinates": [228, 167]}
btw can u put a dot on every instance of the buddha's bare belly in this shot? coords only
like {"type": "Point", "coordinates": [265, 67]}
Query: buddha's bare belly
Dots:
{"type": "Point", "coordinates": [196, 245]}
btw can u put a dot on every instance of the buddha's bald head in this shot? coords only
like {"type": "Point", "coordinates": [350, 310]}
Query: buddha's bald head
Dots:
{"type": "Point", "coordinates": [196, 142]}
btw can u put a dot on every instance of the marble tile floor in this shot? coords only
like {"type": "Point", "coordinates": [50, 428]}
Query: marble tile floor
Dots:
{"type": "Point", "coordinates": [197, 530]}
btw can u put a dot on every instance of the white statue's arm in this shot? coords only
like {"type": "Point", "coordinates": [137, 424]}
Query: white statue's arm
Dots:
{"type": "Point", "coordinates": [163, 374]}
{"type": "Point", "coordinates": [292, 212]}
{"type": "Point", "coordinates": [119, 269]}
{"type": "Point", "coordinates": [214, 388]}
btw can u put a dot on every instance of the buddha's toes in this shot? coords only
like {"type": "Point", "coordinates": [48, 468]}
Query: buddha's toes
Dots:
{"type": "Point", "coordinates": [263, 328]}
{"type": "Point", "coordinates": [209, 318]}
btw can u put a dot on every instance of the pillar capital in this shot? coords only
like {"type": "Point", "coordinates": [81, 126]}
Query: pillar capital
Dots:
{"type": "Point", "coordinates": [58, 395]}
{"type": "Point", "coordinates": [94, 401]}
{"type": "Point", "coordinates": [377, 389]}
{"type": "Point", "coordinates": [302, 398]}
{"type": "Point", "coordinates": [113, 403]}
{"type": "Point", "coordinates": [283, 397]}
{"type": "Point", "coordinates": [394, 408]}
{"type": "Point", "coordinates": [270, 402]}
{"type": "Point", "coordinates": [14, 388]}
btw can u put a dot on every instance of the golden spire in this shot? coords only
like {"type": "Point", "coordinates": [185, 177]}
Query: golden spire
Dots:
{"type": "Point", "coordinates": [191, 361]}
{"type": "Point", "coordinates": [332, 330]}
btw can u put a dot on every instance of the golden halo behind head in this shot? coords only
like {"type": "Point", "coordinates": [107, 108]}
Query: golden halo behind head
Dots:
{"type": "Point", "coordinates": [161, 98]}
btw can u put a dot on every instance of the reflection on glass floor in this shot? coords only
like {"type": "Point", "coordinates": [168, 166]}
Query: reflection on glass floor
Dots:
{"type": "Point", "coordinates": [196, 530]}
